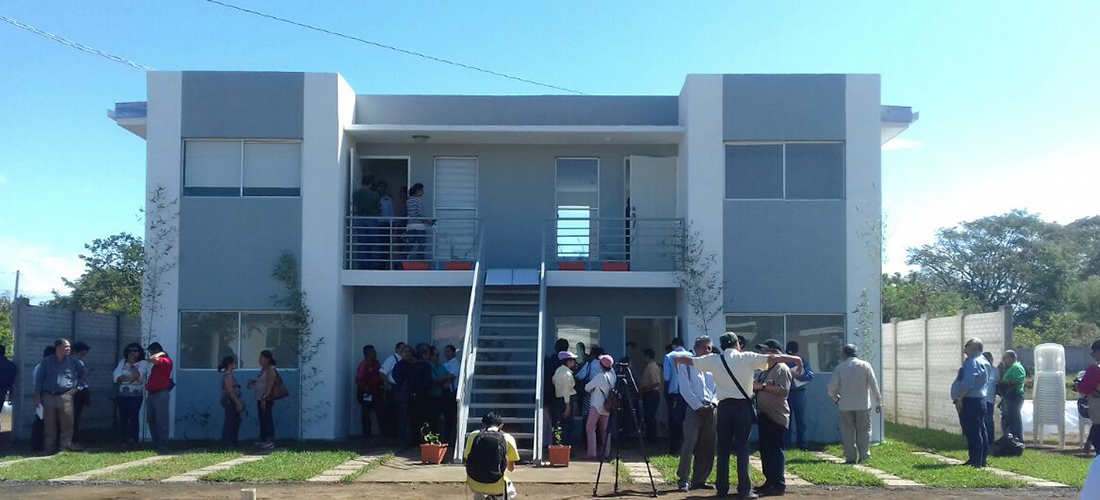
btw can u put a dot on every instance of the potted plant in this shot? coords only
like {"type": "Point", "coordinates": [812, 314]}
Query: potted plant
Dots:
{"type": "Point", "coordinates": [432, 451]}
{"type": "Point", "coordinates": [616, 266]}
{"type": "Point", "coordinates": [559, 453]}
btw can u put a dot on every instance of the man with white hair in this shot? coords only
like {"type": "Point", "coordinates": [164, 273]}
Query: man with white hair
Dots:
{"type": "Point", "coordinates": [854, 389]}
{"type": "Point", "coordinates": [968, 393]}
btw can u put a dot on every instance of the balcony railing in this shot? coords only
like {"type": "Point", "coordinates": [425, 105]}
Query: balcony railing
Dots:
{"type": "Point", "coordinates": [614, 244]}
{"type": "Point", "coordinates": [403, 243]}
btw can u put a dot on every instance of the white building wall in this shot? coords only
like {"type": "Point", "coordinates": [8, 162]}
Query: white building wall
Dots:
{"type": "Point", "coordinates": [163, 160]}
{"type": "Point", "coordinates": [702, 180]}
{"type": "Point", "coordinates": [863, 158]}
{"type": "Point", "coordinates": [329, 105]}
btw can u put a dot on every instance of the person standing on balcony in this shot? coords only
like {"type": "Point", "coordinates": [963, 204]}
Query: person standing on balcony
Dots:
{"type": "Point", "coordinates": [796, 399]}
{"type": "Point", "coordinates": [417, 229]}
{"type": "Point", "coordinates": [385, 224]}
{"type": "Point", "coordinates": [677, 407]}
{"type": "Point", "coordinates": [366, 207]}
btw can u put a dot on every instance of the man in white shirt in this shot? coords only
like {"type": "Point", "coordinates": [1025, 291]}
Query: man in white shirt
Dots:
{"type": "Point", "coordinates": [854, 389]}
{"type": "Point", "coordinates": [698, 390]}
{"type": "Point", "coordinates": [389, 428]}
{"type": "Point", "coordinates": [733, 371]}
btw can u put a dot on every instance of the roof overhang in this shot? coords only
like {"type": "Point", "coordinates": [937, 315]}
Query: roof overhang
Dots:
{"type": "Point", "coordinates": [895, 119]}
{"type": "Point", "coordinates": [131, 116]}
{"type": "Point", "coordinates": [517, 134]}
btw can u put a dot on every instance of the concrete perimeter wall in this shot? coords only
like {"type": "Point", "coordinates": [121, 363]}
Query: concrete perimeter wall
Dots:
{"type": "Point", "coordinates": [38, 327]}
{"type": "Point", "coordinates": [921, 357]}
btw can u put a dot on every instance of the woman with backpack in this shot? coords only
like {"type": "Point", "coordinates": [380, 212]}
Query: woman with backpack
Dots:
{"type": "Point", "coordinates": [602, 395]}
{"type": "Point", "coordinates": [262, 388]}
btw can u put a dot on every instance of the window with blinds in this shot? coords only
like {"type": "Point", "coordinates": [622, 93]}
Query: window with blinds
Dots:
{"type": "Point", "coordinates": [456, 207]}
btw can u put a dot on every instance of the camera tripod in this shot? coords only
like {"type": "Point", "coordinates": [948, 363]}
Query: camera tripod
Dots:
{"type": "Point", "coordinates": [629, 396]}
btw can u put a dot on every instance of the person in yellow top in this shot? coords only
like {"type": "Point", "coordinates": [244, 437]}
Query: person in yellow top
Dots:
{"type": "Point", "coordinates": [490, 454]}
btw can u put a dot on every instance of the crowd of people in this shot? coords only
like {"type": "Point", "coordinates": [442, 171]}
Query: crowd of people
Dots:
{"type": "Point", "coordinates": [974, 392]}
{"type": "Point", "coordinates": [386, 231]}
{"type": "Point", "coordinates": [715, 396]}
{"type": "Point", "coordinates": [411, 393]}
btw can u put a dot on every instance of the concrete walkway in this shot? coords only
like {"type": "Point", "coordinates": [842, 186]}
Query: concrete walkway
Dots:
{"type": "Point", "coordinates": [195, 475]}
{"type": "Point", "coordinates": [21, 460]}
{"type": "Point", "coordinates": [84, 476]}
{"type": "Point", "coordinates": [406, 468]}
{"type": "Point", "coordinates": [1041, 483]}
{"type": "Point", "coordinates": [888, 479]}
{"type": "Point", "coordinates": [791, 479]}
{"type": "Point", "coordinates": [335, 474]}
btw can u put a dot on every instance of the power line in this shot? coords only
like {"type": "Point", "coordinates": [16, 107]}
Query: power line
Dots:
{"type": "Point", "coordinates": [391, 47]}
{"type": "Point", "coordinates": [75, 45]}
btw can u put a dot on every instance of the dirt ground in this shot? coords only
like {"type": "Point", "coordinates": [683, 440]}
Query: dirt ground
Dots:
{"type": "Point", "coordinates": [359, 491]}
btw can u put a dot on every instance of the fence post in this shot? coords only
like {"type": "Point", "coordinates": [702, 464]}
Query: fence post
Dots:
{"type": "Point", "coordinates": [924, 368]}
{"type": "Point", "coordinates": [21, 352]}
{"type": "Point", "coordinates": [894, 365]}
{"type": "Point", "coordinates": [1006, 318]}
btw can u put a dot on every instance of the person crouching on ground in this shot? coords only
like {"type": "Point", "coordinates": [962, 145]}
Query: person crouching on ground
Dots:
{"type": "Point", "coordinates": [601, 387]}
{"type": "Point", "coordinates": [490, 454]}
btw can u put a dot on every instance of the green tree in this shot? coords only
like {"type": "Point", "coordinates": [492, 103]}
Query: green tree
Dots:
{"type": "Point", "coordinates": [1015, 259]}
{"type": "Point", "coordinates": [1085, 235]}
{"type": "Point", "coordinates": [912, 295]}
{"type": "Point", "coordinates": [1084, 299]}
{"type": "Point", "coordinates": [111, 279]}
{"type": "Point", "coordinates": [7, 336]}
{"type": "Point", "coordinates": [1064, 328]}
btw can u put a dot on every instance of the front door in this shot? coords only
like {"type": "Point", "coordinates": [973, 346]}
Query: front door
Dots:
{"type": "Point", "coordinates": [649, 333]}
{"type": "Point", "coordinates": [651, 201]}
{"type": "Point", "coordinates": [383, 332]}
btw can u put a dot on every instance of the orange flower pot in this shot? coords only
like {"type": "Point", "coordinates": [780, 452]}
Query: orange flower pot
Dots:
{"type": "Point", "coordinates": [571, 266]}
{"type": "Point", "coordinates": [432, 453]}
{"type": "Point", "coordinates": [458, 266]}
{"type": "Point", "coordinates": [559, 455]}
{"type": "Point", "coordinates": [616, 266]}
{"type": "Point", "coordinates": [415, 266]}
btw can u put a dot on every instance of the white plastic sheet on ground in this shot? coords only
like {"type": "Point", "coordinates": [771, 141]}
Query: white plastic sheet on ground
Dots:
{"type": "Point", "coordinates": [1073, 421]}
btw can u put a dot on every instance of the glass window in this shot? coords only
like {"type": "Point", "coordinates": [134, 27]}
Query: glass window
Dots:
{"type": "Point", "coordinates": [272, 169]}
{"type": "Point", "coordinates": [819, 339]}
{"type": "Point", "coordinates": [754, 172]}
{"type": "Point", "coordinates": [582, 332]}
{"type": "Point", "coordinates": [206, 338]}
{"type": "Point", "coordinates": [448, 330]}
{"type": "Point", "coordinates": [212, 168]}
{"type": "Point", "coordinates": [755, 329]}
{"type": "Point", "coordinates": [269, 331]}
{"type": "Point", "coordinates": [815, 171]}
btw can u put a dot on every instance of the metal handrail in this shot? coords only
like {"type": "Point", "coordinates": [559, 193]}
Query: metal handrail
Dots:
{"type": "Point", "coordinates": [469, 353]}
{"type": "Point", "coordinates": [615, 240]}
{"type": "Point", "coordinates": [540, 401]}
{"type": "Point", "coordinates": [383, 243]}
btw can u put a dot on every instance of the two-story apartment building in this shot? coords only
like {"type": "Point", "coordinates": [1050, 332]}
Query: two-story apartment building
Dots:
{"type": "Point", "coordinates": [544, 217]}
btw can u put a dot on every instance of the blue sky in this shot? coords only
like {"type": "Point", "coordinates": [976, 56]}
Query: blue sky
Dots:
{"type": "Point", "coordinates": [1007, 90]}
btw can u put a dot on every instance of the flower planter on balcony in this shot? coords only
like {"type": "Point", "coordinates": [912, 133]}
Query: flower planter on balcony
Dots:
{"type": "Point", "coordinates": [616, 266]}
{"type": "Point", "coordinates": [571, 266]}
{"type": "Point", "coordinates": [559, 455]}
{"type": "Point", "coordinates": [416, 266]}
{"type": "Point", "coordinates": [459, 266]}
{"type": "Point", "coordinates": [432, 453]}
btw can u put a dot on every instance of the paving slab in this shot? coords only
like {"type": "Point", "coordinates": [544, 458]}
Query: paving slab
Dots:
{"type": "Point", "coordinates": [887, 478]}
{"type": "Point", "coordinates": [84, 476]}
{"type": "Point", "coordinates": [195, 475]}
{"type": "Point", "coordinates": [345, 469]}
{"type": "Point", "coordinates": [791, 479]}
{"type": "Point", "coordinates": [1033, 481]}
{"type": "Point", "coordinates": [407, 469]}
{"type": "Point", "coordinates": [28, 459]}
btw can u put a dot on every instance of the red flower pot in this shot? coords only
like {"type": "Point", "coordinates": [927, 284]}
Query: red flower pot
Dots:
{"type": "Point", "coordinates": [571, 266]}
{"type": "Point", "coordinates": [459, 266]}
{"type": "Point", "coordinates": [416, 266]}
{"type": "Point", "coordinates": [559, 455]}
{"type": "Point", "coordinates": [616, 266]}
{"type": "Point", "coordinates": [432, 453]}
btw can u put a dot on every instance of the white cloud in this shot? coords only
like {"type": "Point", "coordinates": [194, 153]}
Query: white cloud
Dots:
{"type": "Point", "coordinates": [40, 265]}
{"type": "Point", "coordinates": [901, 143]}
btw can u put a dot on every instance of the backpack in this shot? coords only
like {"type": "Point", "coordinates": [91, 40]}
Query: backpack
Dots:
{"type": "Point", "coordinates": [611, 401]}
{"type": "Point", "coordinates": [1083, 400]}
{"type": "Point", "coordinates": [1007, 446]}
{"type": "Point", "coordinates": [488, 458]}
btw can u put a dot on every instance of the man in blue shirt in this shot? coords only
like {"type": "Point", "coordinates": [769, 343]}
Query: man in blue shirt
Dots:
{"type": "Point", "coordinates": [56, 382]}
{"type": "Point", "coordinates": [797, 400]}
{"type": "Point", "coordinates": [968, 393]}
{"type": "Point", "coordinates": [677, 407]}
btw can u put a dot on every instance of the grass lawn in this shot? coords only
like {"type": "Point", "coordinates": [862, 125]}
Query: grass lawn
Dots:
{"type": "Point", "coordinates": [9, 458]}
{"type": "Point", "coordinates": [667, 464]}
{"type": "Point", "coordinates": [64, 464]}
{"type": "Point", "coordinates": [1065, 469]}
{"type": "Point", "coordinates": [817, 471]}
{"type": "Point", "coordinates": [897, 458]}
{"type": "Point", "coordinates": [373, 465]}
{"type": "Point", "coordinates": [285, 465]}
{"type": "Point", "coordinates": [170, 467]}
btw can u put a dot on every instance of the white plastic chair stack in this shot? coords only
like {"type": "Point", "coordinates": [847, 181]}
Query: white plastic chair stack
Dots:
{"type": "Point", "coordinates": [1049, 399]}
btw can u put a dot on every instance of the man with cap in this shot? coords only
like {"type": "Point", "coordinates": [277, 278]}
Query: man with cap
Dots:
{"type": "Point", "coordinates": [772, 388]}
{"type": "Point", "coordinates": [854, 389]}
{"type": "Point", "coordinates": [733, 376]}
{"type": "Point", "coordinates": [561, 411]}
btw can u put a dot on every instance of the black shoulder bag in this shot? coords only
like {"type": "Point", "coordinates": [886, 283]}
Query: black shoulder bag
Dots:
{"type": "Point", "coordinates": [752, 402]}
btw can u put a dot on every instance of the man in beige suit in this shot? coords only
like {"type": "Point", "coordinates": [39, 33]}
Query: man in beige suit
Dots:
{"type": "Point", "coordinates": [854, 389]}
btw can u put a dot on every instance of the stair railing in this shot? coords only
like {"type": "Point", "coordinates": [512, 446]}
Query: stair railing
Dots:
{"type": "Point", "coordinates": [540, 401]}
{"type": "Point", "coordinates": [469, 353]}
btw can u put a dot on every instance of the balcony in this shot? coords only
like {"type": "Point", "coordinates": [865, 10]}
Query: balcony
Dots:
{"type": "Point", "coordinates": [584, 251]}
{"type": "Point", "coordinates": [397, 245]}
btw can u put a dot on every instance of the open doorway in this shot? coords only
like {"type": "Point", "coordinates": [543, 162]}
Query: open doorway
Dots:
{"type": "Point", "coordinates": [393, 170]}
{"type": "Point", "coordinates": [649, 333]}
